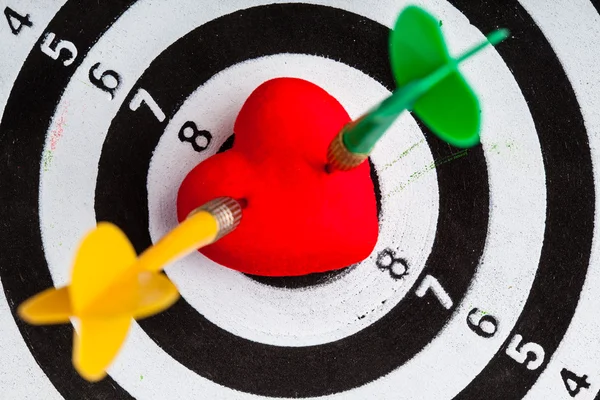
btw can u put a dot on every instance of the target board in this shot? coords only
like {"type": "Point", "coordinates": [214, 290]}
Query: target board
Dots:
{"type": "Point", "coordinates": [483, 284]}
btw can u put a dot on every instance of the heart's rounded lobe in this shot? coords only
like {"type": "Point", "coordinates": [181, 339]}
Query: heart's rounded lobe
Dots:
{"type": "Point", "coordinates": [299, 219]}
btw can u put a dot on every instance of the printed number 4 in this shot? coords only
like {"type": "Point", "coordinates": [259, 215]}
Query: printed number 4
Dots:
{"type": "Point", "coordinates": [521, 353]}
{"type": "Point", "coordinates": [578, 382]}
{"type": "Point", "coordinates": [12, 16]}
{"type": "Point", "coordinates": [52, 48]}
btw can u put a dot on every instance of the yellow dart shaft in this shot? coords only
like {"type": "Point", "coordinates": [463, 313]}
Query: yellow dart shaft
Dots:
{"type": "Point", "coordinates": [203, 227]}
{"type": "Point", "coordinates": [198, 230]}
{"type": "Point", "coordinates": [195, 232]}
{"type": "Point", "coordinates": [106, 270]}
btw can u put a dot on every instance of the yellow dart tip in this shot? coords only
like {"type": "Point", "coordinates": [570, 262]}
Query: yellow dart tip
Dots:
{"type": "Point", "coordinates": [89, 375]}
{"type": "Point", "coordinates": [23, 314]}
{"type": "Point", "coordinates": [52, 306]}
{"type": "Point", "coordinates": [26, 315]}
{"type": "Point", "coordinates": [97, 343]}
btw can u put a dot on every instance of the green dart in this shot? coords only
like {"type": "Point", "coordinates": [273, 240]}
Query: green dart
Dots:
{"type": "Point", "coordinates": [428, 83]}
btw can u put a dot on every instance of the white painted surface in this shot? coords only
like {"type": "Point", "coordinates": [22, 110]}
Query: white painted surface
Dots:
{"type": "Point", "coordinates": [516, 225]}
{"type": "Point", "coordinates": [573, 30]}
{"type": "Point", "coordinates": [20, 375]}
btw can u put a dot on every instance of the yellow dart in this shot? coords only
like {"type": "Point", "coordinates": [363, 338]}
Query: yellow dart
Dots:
{"type": "Point", "coordinates": [110, 285]}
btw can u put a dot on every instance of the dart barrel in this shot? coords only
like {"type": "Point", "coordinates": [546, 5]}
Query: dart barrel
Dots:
{"type": "Point", "coordinates": [226, 210]}
{"type": "Point", "coordinates": [340, 158]}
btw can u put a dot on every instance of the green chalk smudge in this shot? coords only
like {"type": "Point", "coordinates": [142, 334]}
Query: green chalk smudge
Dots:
{"type": "Point", "coordinates": [47, 160]}
{"type": "Point", "coordinates": [418, 174]}
{"type": "Point", "coordinates": [496, 147]}
{"type": "Point", "coordinates": [402, 155]}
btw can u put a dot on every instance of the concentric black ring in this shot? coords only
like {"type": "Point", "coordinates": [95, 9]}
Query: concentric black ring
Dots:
{"type": "Point", "coordinates": [567, 241]}
{"type": "Point", "coordinates": [26, 118]}
{"type": "Point", "coordinates": [570, 196]}
{"type": "Point", "coordinates": [121, 197]}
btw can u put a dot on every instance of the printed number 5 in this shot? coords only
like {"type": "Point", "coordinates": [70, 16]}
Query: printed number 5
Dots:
{"type": "Point", "coordinates": [521, 354]}
{"type": "Point", "coordinates": [52, 48]}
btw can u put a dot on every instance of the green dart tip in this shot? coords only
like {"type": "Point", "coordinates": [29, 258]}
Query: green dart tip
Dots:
{"type": "Point", "coordinates": [497, 36]}
{"type": "Point", "coordinates": [493, 39]}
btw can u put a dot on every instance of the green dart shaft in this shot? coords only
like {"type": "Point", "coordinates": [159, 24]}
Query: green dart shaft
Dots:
{"type": "Point", "coordinates": [493, 38]}
{"type": "Point", "coordinates": [360, 136]}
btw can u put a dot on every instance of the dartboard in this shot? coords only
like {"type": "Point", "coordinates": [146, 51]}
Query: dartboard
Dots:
{"type": "Point", "coordinates": [483, 283]}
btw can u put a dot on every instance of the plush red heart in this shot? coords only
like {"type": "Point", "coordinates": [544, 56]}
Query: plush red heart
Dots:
{"type": "Point", "coordinates": [299, 218]}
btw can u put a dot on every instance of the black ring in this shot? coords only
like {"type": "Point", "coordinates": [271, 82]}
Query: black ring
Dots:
{"type": "Point", "coordinates": [28, 113]}
{"type": "Point", "coordinates": [121, 197]}
{"type": "Point", "coordinates": [570, 196]}
{"type": "Point", "coordinates": [20, 171]}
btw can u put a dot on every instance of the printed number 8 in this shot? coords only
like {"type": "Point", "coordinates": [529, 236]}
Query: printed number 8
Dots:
{"type": "Point", "coordinates": [185, 136]}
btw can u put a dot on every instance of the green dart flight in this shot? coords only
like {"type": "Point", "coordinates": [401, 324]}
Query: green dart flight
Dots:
{"type": "Point", "coordinates": [429, 83]}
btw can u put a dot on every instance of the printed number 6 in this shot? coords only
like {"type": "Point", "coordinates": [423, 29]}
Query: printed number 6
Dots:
{"type": "Point", "coordinates": [52, 48]}
{"type": "Point", "coordinates": [520, 355]}
{"type": "Point", "coordinates": [485, 326]}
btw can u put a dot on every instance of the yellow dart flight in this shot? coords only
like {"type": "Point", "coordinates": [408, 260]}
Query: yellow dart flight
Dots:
{"type": "Point", "coordinates": [110, 285]}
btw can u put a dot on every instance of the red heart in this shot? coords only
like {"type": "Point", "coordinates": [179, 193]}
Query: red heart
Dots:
{"type": "Point", "coordinates": [299, 219]}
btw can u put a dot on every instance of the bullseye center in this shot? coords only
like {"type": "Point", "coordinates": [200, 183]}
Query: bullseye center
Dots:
{"type": "Point", "coordinates": [315, 308]}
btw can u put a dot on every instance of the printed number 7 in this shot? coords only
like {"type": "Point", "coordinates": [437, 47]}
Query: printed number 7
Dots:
{"type": "Point", "coordinates": [430, 283]}
{"type": "Point", "coordinates": [142, 96]}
